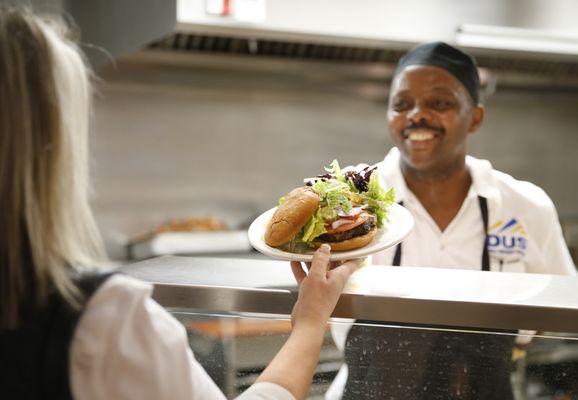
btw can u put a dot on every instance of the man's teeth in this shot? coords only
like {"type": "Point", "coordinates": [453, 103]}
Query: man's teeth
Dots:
{"type": "Point", "coordinates": [420, 136]}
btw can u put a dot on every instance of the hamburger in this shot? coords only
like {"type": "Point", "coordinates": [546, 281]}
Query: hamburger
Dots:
{"type": "Point", "coordinates": [343, 208]}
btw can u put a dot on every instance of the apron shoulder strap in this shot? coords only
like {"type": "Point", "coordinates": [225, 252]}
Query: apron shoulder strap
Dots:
{"type": "Point", "coordinates": [397, 257]}
{"type": "Point", "coordinates": [483, 202]}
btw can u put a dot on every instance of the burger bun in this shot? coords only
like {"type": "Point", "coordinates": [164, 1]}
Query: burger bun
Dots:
{"type": "Point", "coordinates": [291, 216]}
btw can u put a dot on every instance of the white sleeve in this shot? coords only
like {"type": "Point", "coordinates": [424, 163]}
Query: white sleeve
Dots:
{"type": "Point", "coordinates": [126, 346]}
{"type": "Point", "coordinates": [266, 391]}
{"type": "Point", "coordinates": [556, 257]}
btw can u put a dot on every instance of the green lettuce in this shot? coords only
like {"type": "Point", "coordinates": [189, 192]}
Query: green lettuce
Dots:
{"type": "Point", "coordinates": [333, 195]}
{"type": "Point", "coordinates": [378, 199]}
{"type": "Point", "coordinates": [335, 170]}
{"type": "Point", "coordinates": [341, 194]}
{"type": "Point", "coordinates": [314, 228]}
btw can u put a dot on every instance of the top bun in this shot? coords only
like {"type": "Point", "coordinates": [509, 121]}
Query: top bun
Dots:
{"type": "Point", "coordinates": [300, 204]}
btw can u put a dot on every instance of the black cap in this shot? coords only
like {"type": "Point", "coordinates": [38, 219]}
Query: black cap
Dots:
{"type": "Point", "coordinates": [456, 62]}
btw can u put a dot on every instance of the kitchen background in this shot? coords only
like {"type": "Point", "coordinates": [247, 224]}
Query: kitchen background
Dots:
{"type": "Point", "coordinates": [216, 108]}
{"type": "Point", "coordinates": [222, 117]}
{"type": "Point", "coordinates": [198, 140]}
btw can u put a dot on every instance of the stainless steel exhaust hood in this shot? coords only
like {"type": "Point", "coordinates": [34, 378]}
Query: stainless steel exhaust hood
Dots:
{"type": "Point", "coordinates": [387, 22]}
{"type": "Point", "coordinates": [380, 31]}
{"type": "Point", "coordinates": [502, 34]}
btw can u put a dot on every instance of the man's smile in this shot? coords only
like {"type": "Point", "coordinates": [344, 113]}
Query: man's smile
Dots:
{"type": "Point", "coordinates": [421, 138]}
{"type": "Point", "coordinates": [420, 135]}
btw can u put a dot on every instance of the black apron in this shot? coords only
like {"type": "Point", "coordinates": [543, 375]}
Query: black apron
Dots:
{"type": "Point", "coordinates": [419, 364]}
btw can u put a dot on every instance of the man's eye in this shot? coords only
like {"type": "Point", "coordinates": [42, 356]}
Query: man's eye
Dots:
{"type": "Point", "coordinates": [442, 104]}
{"type": "Point", "coordinates": [400, 105]}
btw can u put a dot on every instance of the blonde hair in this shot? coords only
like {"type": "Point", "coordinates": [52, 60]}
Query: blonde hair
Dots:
{"type": "Point", "coordinates": [46, 223]}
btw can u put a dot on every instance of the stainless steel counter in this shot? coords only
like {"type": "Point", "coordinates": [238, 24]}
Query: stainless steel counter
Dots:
{"type": "Point", "coordinates": [420, 296]}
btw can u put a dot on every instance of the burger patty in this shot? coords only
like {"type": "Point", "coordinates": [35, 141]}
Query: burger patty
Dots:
{"type": "Point", "coordinates": [359, 230]}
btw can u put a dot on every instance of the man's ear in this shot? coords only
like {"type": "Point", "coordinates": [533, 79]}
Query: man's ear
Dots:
{"type": "Point", "coordinates": [477, 118]}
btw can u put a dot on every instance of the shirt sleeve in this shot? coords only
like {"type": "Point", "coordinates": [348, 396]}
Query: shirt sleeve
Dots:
{"type": "Point", "coordinates": [266, 391]}
{"type": "Point", "coordinates": [556, 257]}
{"type": "Point", "coordinates": [126, 346]}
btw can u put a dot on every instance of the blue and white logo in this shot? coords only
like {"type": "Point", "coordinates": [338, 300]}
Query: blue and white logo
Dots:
{"type": "Point", "coordinates": [507, 241]}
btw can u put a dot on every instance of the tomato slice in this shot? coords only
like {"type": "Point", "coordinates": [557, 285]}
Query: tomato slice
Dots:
{"type": "Point", "coordinates": [362, 217]}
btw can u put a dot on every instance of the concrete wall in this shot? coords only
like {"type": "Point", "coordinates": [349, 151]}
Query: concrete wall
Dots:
{"type": "Point", "coordinates": [229, 145]}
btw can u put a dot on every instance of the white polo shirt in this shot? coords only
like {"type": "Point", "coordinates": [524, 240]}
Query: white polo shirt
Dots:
{"type": "Point", "coordinates": [524, 234]}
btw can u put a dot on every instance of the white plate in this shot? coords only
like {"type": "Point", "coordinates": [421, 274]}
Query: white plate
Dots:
{"type": "Point", "coordinates": [399, 226]}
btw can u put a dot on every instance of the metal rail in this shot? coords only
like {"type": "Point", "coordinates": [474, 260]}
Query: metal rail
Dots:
{"type": "Point", "coordinates": [417, 296]}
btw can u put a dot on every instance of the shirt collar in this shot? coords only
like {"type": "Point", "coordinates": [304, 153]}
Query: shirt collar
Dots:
{"type": "Point", "coordinates": [483, 181]}
{"type": "Point", "coordinates": [390, 172]}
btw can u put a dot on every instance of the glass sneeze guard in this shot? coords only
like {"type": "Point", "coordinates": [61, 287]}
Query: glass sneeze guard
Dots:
{"type": "Point", "coordinates": [404, 333]}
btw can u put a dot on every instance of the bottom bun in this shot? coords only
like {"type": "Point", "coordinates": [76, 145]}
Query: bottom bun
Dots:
{"type": "Point", "coordinates": [350, 244]}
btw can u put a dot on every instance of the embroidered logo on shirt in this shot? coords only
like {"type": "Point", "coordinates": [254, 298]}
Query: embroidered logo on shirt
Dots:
{"type": "Point", "coordinates": [507, 241]}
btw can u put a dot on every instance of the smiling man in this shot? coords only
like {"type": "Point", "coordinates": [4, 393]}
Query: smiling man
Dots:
{"type": "Point", "coordinates": [467, 216]}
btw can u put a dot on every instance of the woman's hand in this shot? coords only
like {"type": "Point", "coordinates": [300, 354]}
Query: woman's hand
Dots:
{"type": "Point", "coordinates": [320, 289]}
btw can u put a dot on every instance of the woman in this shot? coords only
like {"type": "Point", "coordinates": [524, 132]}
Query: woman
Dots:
{"type": "Point", "coordinates": [68, 333]}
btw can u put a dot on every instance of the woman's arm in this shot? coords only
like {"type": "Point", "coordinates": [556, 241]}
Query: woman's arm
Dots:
{"type": "Point", "coordinates": [292, 368]}
{"type": "Point", "coordinates": [127, 346]}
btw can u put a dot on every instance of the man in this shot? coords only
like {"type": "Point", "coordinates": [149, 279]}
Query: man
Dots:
{"type": "Point", "coordinates": [434, 106]}
{"type": "Point", "coordinates": [467, 215]}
